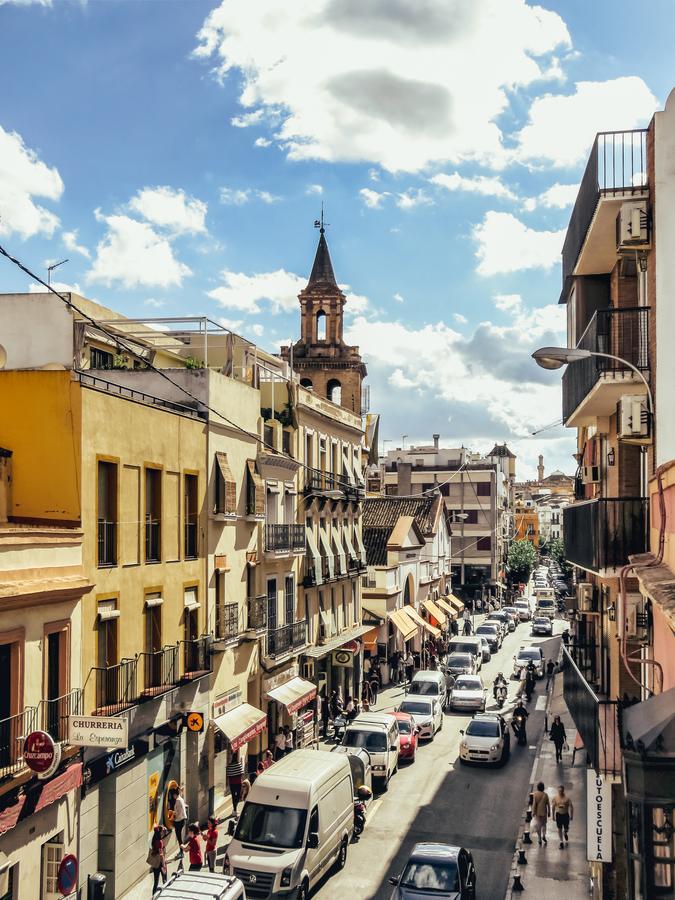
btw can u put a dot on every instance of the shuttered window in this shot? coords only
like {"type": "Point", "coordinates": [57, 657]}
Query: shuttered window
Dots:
{"type": "Point", "coordinates": [255, 491]}
{"type": "Point", "coordinates": [226, 487]}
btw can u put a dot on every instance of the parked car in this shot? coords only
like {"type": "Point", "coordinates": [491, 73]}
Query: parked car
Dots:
{"type": "Point", "coordinates": [523, 657]}
{"type": "Point", "coordinates": [408, 734]}
{"type": "Point", "coordinates": [436, 870]}
{"type": "Point", "coordinates": [427, 714]}
{"type": "Point", "coordinates": [467, 645]}
{"type": "Point", "coordinates": [523, 607]}
{"type": "Point", "coordinates": [378, 734]}
{"type": "Point", "coordinates": [428, 683]}
{"type": "Point", "coordinates": [513, 612]}
{"type": "Point", "coordinates": [486, 739]}
{"type": "Point", "coordinates": [502, 618]}
{"type": "Point", "coordinates": [491, 633]}
{"type": "Point", "coordinates": [461, 664]}
{"type": "Point", "coordinates": [201, 884]}
{"type": "Point", "coordinates": [485, 647]}
{"type": "Point", "coordinates": [468, 693]}
{"type": "Point", "coordinates": [542, 625]}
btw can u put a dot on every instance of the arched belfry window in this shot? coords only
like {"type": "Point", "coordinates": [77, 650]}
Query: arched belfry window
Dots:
{"type": "Point", "coordinates": [334, 391]}
{"type": "Point", "coordinates": [321, 325]}
{"type": "Point", "coordinates": [306, 383]}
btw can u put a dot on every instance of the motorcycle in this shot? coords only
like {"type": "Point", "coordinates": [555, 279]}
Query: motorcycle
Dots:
{"type": "Point", "coordinates": [339, 725]}
{"type": "Point", "coordinates": [364, 793]}
{"type": "Point", "coordinates": [501, 696]}
{"type": "Point", "coordinates": [520, 730]}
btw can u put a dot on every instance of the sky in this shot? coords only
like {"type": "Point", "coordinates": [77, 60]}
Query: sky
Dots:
{"type": "Point", "coordinates": [177, 153]}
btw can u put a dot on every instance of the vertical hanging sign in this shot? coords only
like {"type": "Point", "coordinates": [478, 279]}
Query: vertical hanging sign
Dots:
{"type": "Point", "coordinates": [598, 818]}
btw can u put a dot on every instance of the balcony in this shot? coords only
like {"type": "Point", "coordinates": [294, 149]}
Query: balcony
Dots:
{"type": "Point", "coordinates": [287, 639]}
{"type": "Point", "coordinates": [256, 608]}
{"type": "Point", "coordinates": [592, 387]}
{"type": "Point", "coordinates": [227, 622]}
{"type": "Point", "coordinates": [107, 543]}
{"type": "Point", "coordinates": [616, 171]}
{"type": "Point", "coordinates": [160, 671]}
{"type": "Point", "coordinates": [284, 539]}
{"type": "Point", "coordinates": [196, 658]}
{"type": "Point", "coordinates": [53, 714]}
{"type": "Point", "coordinates": [13, 732]}
{"type": "Point", "coordinates": [115, 687]}
{"type": "Point", "coordinates": [601, 534]}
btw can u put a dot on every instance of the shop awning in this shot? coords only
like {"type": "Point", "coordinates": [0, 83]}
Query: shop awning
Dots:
{"type": "Point", "coordinates": [450, 610]}
{"type": "Point", "coordinates": [459, 606]}
{"type": "Point", "coordinates": [294, 694]}
{"type": "Point", "coordinates": [328, 551]}
{"type": "Point", "coordinates": [435, 611]}
{"type": "Point", "coordinates": [406, 626]}
{"type": "Point", "coordinates": [416, 617]}
{"type": "Point", "coordinates": [340, 549]}
{"type": "Point", "coordinates": [652, 719]}
{"type": "Point", "coordinates": [241, 725]}
{"type": "Point", "coordinates": [350, 634]}
{"type": "Point", "coordinates": [370, 639]}
{"type": "Point", "coordinates": [314, 552]}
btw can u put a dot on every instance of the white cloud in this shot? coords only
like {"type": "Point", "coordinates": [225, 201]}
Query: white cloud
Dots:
{"type": "Point", "coordinates": [505, 245]}
{"type": "Point", "coordinates": [373, 174]}
{"type": "Point", "coordinates": [355, 304]}
{"type": "Point", "coordinates": [245, 292]}
{"type": "Point", "coordinates": [399, 298]}
{"type": "Point", "coordinates": [373, 199]}
{"type": "Point", "coordinates": [262, 142]}
{"type": "Point", "coordinates": [69, 239]}
{"type": "Point", "coordinates": [558, 196]}
{"type": "Point", "coordinates": [508, 302]}
{"type": "Point", "coordinates": [258, 329]}
{"type": "Point", "coordinates": [132, 254]}
{"type": "Point", "coordinates": [26, 2]}
{"type": "Point", "coordinates": [238, 196]}
{"type": "Point", "coordinates": [154, 303]}
{"type": "Point", "coordinates": [478, 184]}
{"type": "Point", "coordinates": [381, 81]}
{"type": "Point", "coordinates": [231, 324]}
{"type": "Point", "coordinates": [561, 128]}
{"type": "Point", "coordinates": [62, 286]}
{"type": "Point", "coordinates": [314, 189]}
{"type": "Point", "coordinates": [413, 197]}
{"type": "Point", "coordinates": [23, 176]}
{"type": "Point", "coordinates": [460, 319]}
{"type": "Point", "coordinates": [172, 209]}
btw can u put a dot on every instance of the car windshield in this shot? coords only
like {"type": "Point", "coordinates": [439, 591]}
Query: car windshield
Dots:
{"type": "Point", "coordinates": [541, 620]}
{"type": "Point", "coordinates": [481, 728]}
{"type": "Point", "coordinates": [375, 741]}
{"type": "Point", "coordinates": [545, 604]}
{"type": "Point", "coordinates": [486, 629]}
{"type": "Point", "coordinates": [271, 826]}
{"type": "Point", "coordinates": [404, 727]}
{"type": "Point", "coordinates": [430, 875]}
{"type": "Point", "coordinates": [416, 708]}
{"type": "Point", "coordinates": [468, 684]}
{"type": "Point", "coordinates": [459, 659]}
{"type": "Point", "coordinates": [426, 688]}
{"type": "Point", "coordinates": [529, 654]}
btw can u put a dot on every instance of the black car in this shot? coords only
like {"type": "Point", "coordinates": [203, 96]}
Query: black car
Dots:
{"type": "Point", "coordinates": [436, 871]}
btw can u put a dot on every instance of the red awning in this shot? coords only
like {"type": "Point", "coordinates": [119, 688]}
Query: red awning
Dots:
{"type": "Point", "coordinates": [41, 795]}
{"type": "Point", "coordinates": [294, 694]}
{"type": "Point", "coordinates": [242, 724]}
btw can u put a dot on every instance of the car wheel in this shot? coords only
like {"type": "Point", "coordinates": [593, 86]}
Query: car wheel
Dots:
{"type": "Point", "coordinates": [303, 891]}
{"type": "Point", "coordinates": [341, 860]}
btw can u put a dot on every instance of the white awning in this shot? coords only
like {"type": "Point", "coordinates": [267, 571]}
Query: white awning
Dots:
{"type": "Point", "coordinates": [405, 625]}
{"type": "Point", "coordinates": [294, 694]}
{"type": "Point", "coordinates": [242, 724]}
{"type": "Point", "coordinates": [340, 549]}
{"type": "Point", "coordinates": [314, 552]}
{"type": "Point", "coordinates": [153, 600]}
{"type": "Point", "coordinates": [190, 601]}
{"type": "Point", "coordinates": [328, 551]}
{"type": "Point", "coordinates": [105, 613]}
{"type": "Point", "coordinates": [435, 611]}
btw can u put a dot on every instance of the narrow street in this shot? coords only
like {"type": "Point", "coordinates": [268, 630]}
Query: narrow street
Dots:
{"type": "Point", "coordinates": [438, 799]}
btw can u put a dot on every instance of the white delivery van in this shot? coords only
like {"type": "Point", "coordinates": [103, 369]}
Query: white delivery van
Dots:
{"type": "Point", "coordinates": [428, 683]}
{"type": "Point", "coordinates": [201, 886]}
{"type": "Point", "coordinates": [546, 606]}
{"type": "Point", "coordinates": [378, 734]}
{"type": "Point", "coordinates": [297, 822]}
{"type": "Point", "coordinates": [467, 645]}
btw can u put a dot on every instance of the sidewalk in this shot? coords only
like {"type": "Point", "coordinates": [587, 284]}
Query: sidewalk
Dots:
{"type": "Point", "coordinates": [550, 872]}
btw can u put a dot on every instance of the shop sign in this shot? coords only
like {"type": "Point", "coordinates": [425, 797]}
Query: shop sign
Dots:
{"type": "Point", "coordinates": [598, 818]}
{"type": "Point", "coordinates": [194, 722]}
{"type": "Point", "coordinates": [343, 658]}
{"type": "Point", "coordinates": [67, 877]}
{"type": "Point", "coordinates": [41, 754]}
{"type": "Point", "coordinates": [227, 701]}
{"type": "Point", "coordinates": [98, 731]}
{"type": "Point", "coordinates": [109, 763]}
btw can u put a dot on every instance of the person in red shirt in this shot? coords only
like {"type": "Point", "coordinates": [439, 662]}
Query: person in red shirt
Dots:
{"type": "Point", "coordinates": [193, 848]}
{"type": "Point", "coordinates": [211, 838]}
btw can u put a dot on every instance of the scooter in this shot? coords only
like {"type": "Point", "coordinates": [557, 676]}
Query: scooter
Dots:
{"type": "Point", "coordinates": [363, 793]}
{"type": "Point", "coordinates": [519, 729]}
{"type": "Point", "coordinates": [339, 725]}
{"type": "Point", "coordinates": [501, 696]}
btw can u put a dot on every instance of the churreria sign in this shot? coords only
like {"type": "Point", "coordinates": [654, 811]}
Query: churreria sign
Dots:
{"type": "Point", "coordinates": [98, 731]}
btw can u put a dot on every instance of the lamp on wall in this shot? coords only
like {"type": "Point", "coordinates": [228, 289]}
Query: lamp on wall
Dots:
{"type": "Point", "coordinates": [611, 456]}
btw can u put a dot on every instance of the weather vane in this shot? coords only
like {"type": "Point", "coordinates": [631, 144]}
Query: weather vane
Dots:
{"type": "Point", "coordinates": [320, 224]}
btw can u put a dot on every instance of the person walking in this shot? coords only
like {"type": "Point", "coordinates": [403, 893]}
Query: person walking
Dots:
{"type": "Point", "coordinates": [550, 672]}
{"type": "Point", "coordinates": [279, 744]}
{"type": "Point", "coordinates": [558, 736]}
{"type": "Point", "coordinates": [179, 817]}
{"type": "Point", "coordinates": [234, 773]}
{"type": "Point", "coordinates": [211, 839]}
{"type": "Point", "coordinates": [409, 666]}
{"type": "Point", "coordinates": [467, 627]}
{"type": "Point", "coordinates": [157, 857]}
{"type": "Point", "coordinates": [394, 660]}
{"type": "Point", "coordinates": [245, 790]}
{"type": "Point", "coordinates": [193, 848]}
{"type": "Point", "coordinates": [288, 735]}
{"type": "Point", "coordinates": [563, 812]}
{"type": "Point", "coordinates": [374, 685]}
{"type": "Point", "coordinates": [541, 809]}
{"type": "Point", "coordinates": [454, 628]}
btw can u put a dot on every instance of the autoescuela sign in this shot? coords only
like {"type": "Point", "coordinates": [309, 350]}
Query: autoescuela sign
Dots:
{"type": "Point", "coordinates": [598, 818]}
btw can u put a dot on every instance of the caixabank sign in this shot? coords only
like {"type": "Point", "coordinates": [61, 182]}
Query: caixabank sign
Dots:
{"type": "Point", "coordinates": [97, 769]}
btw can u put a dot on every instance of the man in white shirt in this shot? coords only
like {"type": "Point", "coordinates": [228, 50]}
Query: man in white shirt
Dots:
{"type": "Point", "coordinates": [179, 817]}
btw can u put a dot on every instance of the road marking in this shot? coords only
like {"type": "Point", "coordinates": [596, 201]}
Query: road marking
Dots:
{"type": "Point", "coordinates": [541, 702]}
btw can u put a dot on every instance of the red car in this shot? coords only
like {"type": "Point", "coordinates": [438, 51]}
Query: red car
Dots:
{"type": "Point", "coordinates": [407, 736]}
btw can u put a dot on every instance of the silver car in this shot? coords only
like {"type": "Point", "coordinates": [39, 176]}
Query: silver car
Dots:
{"type": "Point", "coordinates": [436, 871]}
{"type": "Point", "coordinates": [468, 694]}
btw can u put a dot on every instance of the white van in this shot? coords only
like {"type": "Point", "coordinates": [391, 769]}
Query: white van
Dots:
{"type": "Point", "coordinates": [378, 734]}
{"type": "Point", "coordinates": [428, 683]}
{"type": "Point", "coordinates": [201, 886]}
{"type": "Point", "coordinates": [297, 822]}
{"type": "Point", "coordinates": [546, 606]}
{"type": "Point", "coordinates": [467, 645]}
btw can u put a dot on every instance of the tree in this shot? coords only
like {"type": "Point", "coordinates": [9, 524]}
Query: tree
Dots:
{"type": "Point", "coordinates": [557, 552]}
{"type": "Point", "coordinates": [522, 559]}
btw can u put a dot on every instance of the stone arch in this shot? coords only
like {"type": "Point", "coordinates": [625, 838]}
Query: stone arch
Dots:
{"type": "Point", "coordinates": [321, 325]}
{"type": "Point", "coordinates": [334, 391]}
{"type": "Point", "coordinates": [409, 591]}
{"type": "Point", "coordinates": [306, 383]}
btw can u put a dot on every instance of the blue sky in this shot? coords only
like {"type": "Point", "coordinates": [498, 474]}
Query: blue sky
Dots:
{"type": "Point", "coordinates": [178, 153]}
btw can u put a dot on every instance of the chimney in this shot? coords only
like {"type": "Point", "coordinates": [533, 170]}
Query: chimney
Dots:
{"type": "Point", "coordinates": [436, 438]}
{"type": "Point", "coordinates": [540, 468]}
{"type": "Point", "coordinates": [5, 484]}
{"type": "Point", "coordinates": [404, 485]}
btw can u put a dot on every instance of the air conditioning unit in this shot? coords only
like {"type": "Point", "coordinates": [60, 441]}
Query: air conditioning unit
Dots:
{"type": "Point", "coordinates": [585, 596]}
{"type": "Point", "coordinates": [632, 226]}
{"type": "Point", "coordinates": [632, 420]}
{"type": "Point", "coordinates": [308, 669]}
{"type": "Point", "coordinates": [590, 474]}
{"type": "Point", "coordinates": [636, 617]}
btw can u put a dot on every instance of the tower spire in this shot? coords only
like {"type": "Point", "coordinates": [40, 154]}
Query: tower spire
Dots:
{"type": "Point", "coordinates": [322, 270]}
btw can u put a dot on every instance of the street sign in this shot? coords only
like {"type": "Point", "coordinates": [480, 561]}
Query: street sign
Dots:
{"type": "Point", "coordinates": [98, 731]}
{"type": "Point", "coordinates": [67, 877]}
{"type": "Point", "coordinates": [343, 658]}
{"type": "Point", "coordinates": [195, 722]}
{"type": "Point", "coordinates": [39, 751]}
{"type": "Point", "coordinates": [598, 818]}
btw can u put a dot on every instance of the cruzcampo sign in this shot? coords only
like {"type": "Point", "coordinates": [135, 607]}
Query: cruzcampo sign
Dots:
{"type": "Point", "coordinates": [98, 731]}
{"type": "Point", "coordinates": [598, 818]}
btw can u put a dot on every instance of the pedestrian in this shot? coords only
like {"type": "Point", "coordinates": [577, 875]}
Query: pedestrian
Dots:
{"type": "Point", "coordinates": [365, 694]}
{"type": "Point", "coordinates": [325, 715]}
{"type": "Point", "coordinates": [211, 838]}
{"type": "Point", "coordinates": [179, 817]}
{"type": "Point", "coordinates": [234, 773]}
{"type": "Point", "coordinates": [558, 736]}
{"type": "Point", "coordinates": [566, 637]}
{"type": "Point", "coordinates": [157, 857]}
{"type": "Point", "coordinates": [245, 789]}
{"type": "Point", "coordinates": [268, 758]}
{"type": "Point", "coordinates": [467, 627]}
{"type": "Point", "coordinates": [449, 685]}
{"type": "Point", "coordinates": [550, 672]}
{"type": "Point", "coordinates": [393, 666]}
{"type": "Point", "coordinates": [350, 709]}
{"type": "Point", "coordinates": [288, 737]}
{"type": "Point", "coordinates": [335, 705]}
{"type": "Point", "coordinates": [541, 809]}
{"type": "Point", "coordinates": [366, 665]}
{"type": "Point", "coordinates": [279, 744]}
{"type": "Point", "coordinates": [563, 811]}
{"type": "Point", "coordinates": [454, 628]}
{"type": "Point", "coordinates": [193, 848]}
{"type": "Point", "coordinates": [374, 686]}
{"type": "Point", "coordinates": [409, 666]}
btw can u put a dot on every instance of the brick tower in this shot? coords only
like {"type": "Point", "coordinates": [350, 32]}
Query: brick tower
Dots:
{"type": "Point", "coordinates": [327, 365]}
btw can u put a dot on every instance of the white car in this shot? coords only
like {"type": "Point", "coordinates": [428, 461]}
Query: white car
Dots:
{"type": "Point", "coordinates": [523, 608]}
{"type": "Point", "coordinates": [542, 625]}
{"type": "Point", "coordinates": [526, 655]}
{"type": "Point", "coordinates": [468, 694]}
{"type": "Point", "coordinates": [487, 653]}
{"type": "Point", "coordinates": [427, 715]}
{"type": "Point", "coordinates": [486, 739]}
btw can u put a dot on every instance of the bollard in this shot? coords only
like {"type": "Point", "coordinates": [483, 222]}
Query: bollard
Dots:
{"type": "Point", "coordinates": [526, 837]}
{"type": "Point", "coordinates": [528, 815]}
{"type": "Point", "coordinates": [522, 859]}
{"type": "Point", "coordinates": [517, 884]}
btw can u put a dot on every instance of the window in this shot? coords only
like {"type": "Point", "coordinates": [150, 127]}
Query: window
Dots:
{"type": "Point", "coordinates": [286, 442]}
{"type": "Point", "coordinates": [289, 600]}
{"type": "Point", "coordinates": [334, 391]}
{"type": "Point", "coordinates": [100, 359]}
{"type": "Point", "coordinates": [226, 487]}
{"type": "Point", "coordinates": [272, 604]}
{"type": "Point", "coordinates": [11, 722]}
{"type": "Point", "coordinates": [107, 513]}
{"type": "Point", "coordinates": [52, 854]}
{"type": "Point", "coordinates": [153, 641]}
{"type": "Point", "coordinates": [344, 608]}
{"type": "Point", "coordinates": [255, 491]}
{"type": "Point", "coordinates": [190, 483]}
{"type": "Point", "coordinates": [11, 875]}
{"type": "Point", "coordinates": [56, 678]}
{"type": "Point", "coordinates": [268, 436]}
{"type": "Point", "coordinates": [484, 543]}
{"type": "Point", "coordinates": [321, 325]}
{"type": "Point", "coordinates": [483, 489]}
{"type": "Point", "coordinates": [306, 383]}
{"type": "Point", "coordinates": [153, 515]}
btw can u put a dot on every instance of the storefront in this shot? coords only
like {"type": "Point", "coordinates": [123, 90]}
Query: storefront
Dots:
{"type": "Point", "coordinates": [337, 665]}
{"type": "Point", "coordinates": [235, 724]}
{"type": "Point", "coordinates": [289, 702]}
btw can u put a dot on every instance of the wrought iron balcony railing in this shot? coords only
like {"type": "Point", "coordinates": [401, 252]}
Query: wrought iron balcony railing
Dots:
{"type": "Point", "coordinates": [256, 609]}
{"type": "Point", "coordinates": [153, 540]}
{"type": "Point", "coordinates": [601, 534]}
{"type": "Point", "coordinates": [53, 714]}
{"type": "Point", "coordinates": [115, 687]}
{"type": "Point", "coordinates": [285, 538]}
{"type": "Point", "coordinates": [160, 670]}
{"type": "Point", "coordinates": [107, 543]}
{"type": "Point", "coordinates": [287, 638]}
{"type": "Point", "coordinates": [196, 658]}
{"type": "Point", "coordinates": [13, 732]}
{"type": "Point", "coordinates": [227, 622]}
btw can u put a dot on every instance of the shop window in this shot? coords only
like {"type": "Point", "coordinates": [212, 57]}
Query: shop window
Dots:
{"type": "Point", "coordinates": [52, 854]}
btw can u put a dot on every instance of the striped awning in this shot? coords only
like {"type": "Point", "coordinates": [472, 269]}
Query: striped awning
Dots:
{"type": "Point", "coordinates": [435, 611]}
{"type": "Point", "coordinates": [416, 617]}
{"type": "Point", "coordinates": [449, 609]}
{"type": "Point", "coordinates": [403, 623]}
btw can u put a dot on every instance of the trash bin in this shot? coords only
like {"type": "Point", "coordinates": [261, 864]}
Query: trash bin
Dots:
{"type": "Point", "coordinates": [96, 886]}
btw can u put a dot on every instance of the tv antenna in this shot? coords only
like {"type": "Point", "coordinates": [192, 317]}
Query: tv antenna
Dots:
{"type": "Point", "coordinates": [51, 268]}
{"type": "Point", "coordinates": [320, 224]}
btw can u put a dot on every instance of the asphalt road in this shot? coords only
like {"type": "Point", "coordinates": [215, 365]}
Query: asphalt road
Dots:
{"type": "Point", "coordinates": [437, 799]}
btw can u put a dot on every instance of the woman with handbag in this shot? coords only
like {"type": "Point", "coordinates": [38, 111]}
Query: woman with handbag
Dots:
{"type": "Point", "coordinates": [558, 736]}
{"type": "Point", "coordinates": [157, 857]}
